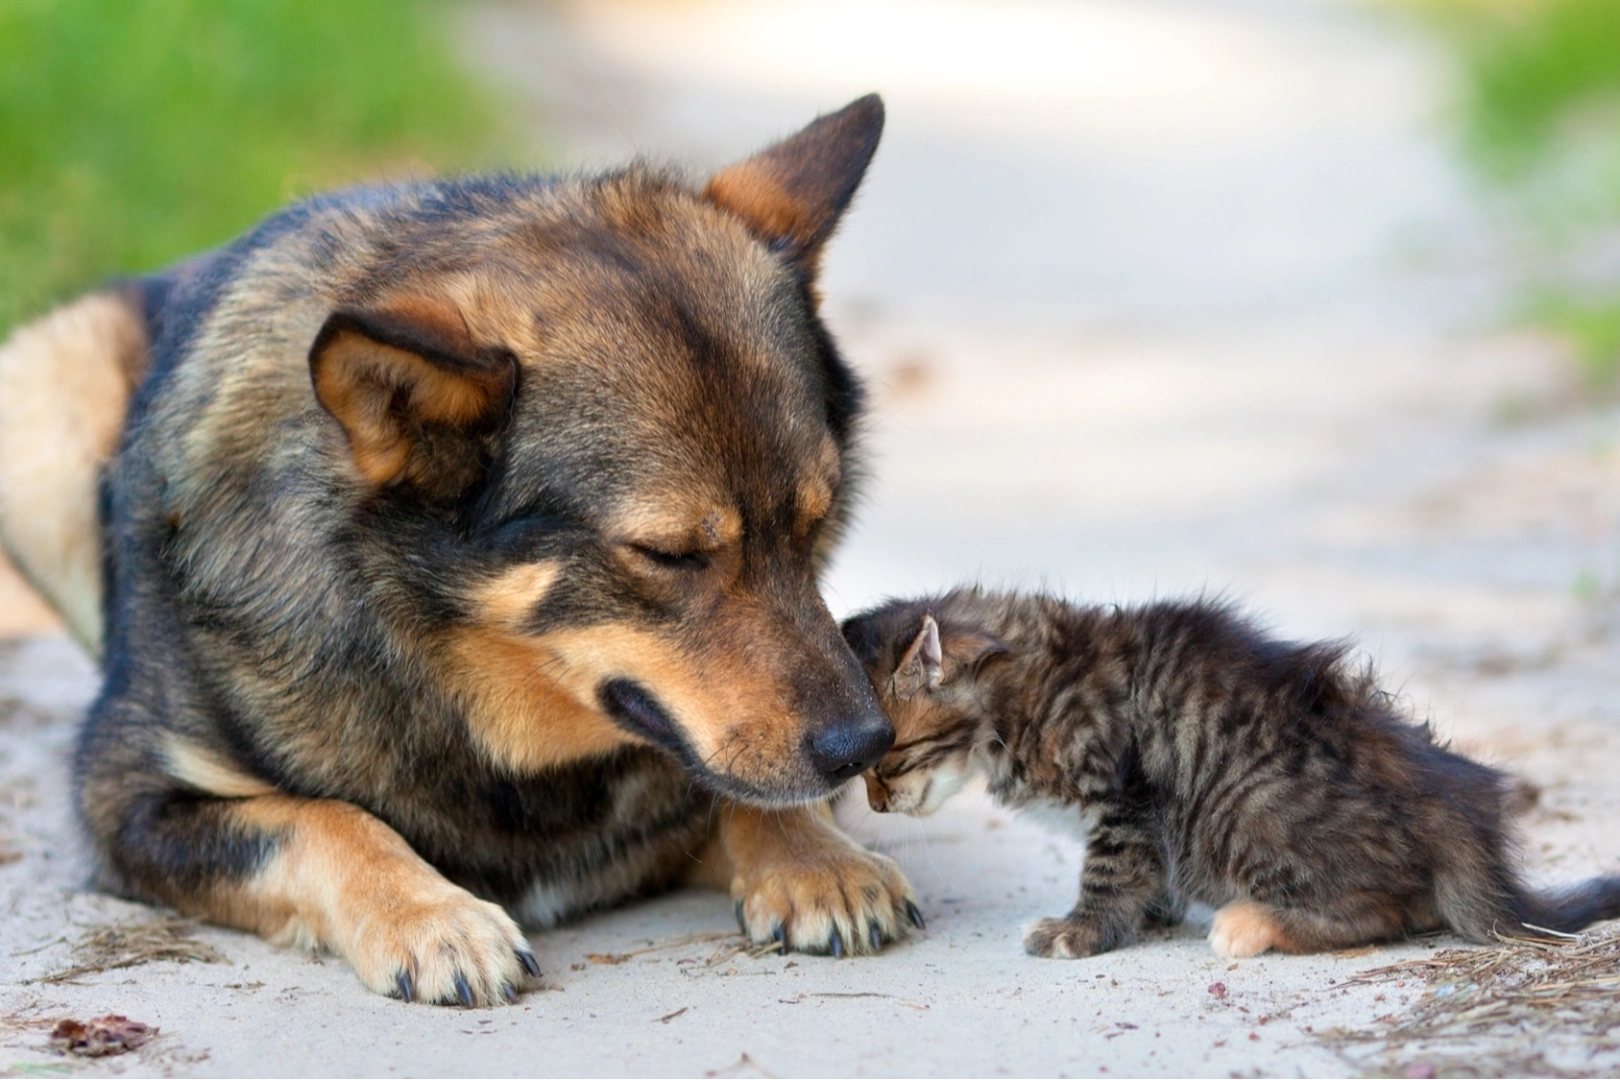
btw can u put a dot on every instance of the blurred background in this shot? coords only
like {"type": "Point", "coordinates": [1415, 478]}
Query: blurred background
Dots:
{"type": "Point", "coordinates": [1315, 302]}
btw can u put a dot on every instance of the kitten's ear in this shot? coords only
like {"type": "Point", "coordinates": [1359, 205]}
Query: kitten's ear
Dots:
{"type": "Point", "coordinates": [922, 664]}
{"type": "Point", "coordinates": [972, 650]}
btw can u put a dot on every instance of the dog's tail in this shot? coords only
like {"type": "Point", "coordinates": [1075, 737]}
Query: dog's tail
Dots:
{"type": "Point", "coordinates": [65, 385]}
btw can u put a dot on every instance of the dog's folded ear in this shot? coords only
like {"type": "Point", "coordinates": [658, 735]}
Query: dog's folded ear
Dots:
{"type": "Point", "coordinates": [792, 194]}
{"type": "Point", "coordinates": [420, 402]}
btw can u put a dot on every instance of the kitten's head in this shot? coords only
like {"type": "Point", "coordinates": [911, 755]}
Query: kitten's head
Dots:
{"type": "Point", "coordinates": [925, 660]}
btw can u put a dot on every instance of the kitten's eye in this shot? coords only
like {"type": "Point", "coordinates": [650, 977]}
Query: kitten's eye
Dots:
{"type": "Point", "coordinates": [672, 560]}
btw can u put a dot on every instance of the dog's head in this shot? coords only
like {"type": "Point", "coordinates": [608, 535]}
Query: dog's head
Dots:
{"type": "Point", "coordinates": [605, 445]}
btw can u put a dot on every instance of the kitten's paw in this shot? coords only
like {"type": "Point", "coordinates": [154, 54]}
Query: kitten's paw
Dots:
{"type": "Point", "coordinates": [441, 945]}
{"type": "Point", "coordinates": [833, 899]}
{"type": "Point", "coordinates": [1068, 938]}
{"type": "Point", "coordinates": [1243, 929]}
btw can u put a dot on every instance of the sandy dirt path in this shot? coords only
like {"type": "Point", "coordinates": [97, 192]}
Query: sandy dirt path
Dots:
{"type": "Point", "coordinates": [1155, 297]}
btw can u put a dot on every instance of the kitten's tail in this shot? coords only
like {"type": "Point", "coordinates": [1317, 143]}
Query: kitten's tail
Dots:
{"type": "Point", "coordinates": [1567, 910]}
{"type": "Point", "coordinates": [1478, 892]}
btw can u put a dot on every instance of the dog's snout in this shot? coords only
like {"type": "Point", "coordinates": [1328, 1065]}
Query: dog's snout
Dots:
{"type": "Point", "coordinates": [849, 749]}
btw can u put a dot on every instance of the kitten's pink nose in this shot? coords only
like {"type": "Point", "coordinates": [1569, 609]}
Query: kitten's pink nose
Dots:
{"type": "Point", "coordinates": [876, 794]}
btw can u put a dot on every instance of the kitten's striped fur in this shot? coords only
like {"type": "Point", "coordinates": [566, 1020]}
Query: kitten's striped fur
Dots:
{"type": "Point", "coordinates": [1207, 763]}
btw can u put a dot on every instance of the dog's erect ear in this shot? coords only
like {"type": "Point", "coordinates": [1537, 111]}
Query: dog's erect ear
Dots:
{"type": "Point", "coordinates": [921, 664]}
{"type": "Point", "coordinates": [791, 195]}
{"type": "Point", "coordinates": [419, 401]}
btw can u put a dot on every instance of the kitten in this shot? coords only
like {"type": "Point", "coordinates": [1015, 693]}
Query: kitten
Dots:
{"type": "Point", "coordinates": [1201, 761]}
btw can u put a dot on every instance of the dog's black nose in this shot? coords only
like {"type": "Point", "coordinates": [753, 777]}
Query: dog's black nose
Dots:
{"type": "Point", "coordinates": [847, 750]}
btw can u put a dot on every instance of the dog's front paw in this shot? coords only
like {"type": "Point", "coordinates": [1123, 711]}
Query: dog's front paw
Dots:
{"type": "Point", "coordinates": [441, 944]}
{"type": "Point", "coordinates": [831, 897]}
{"type": "Point", "coordinates": [1068, 938]}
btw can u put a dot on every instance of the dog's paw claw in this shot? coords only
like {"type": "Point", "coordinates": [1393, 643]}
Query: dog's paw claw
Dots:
{"type": "Point", "coordinates": [914, 913]}
{"type": "Point", "coordinates": [839, 901]}
{"type": "Point", "coordinates": [441, 944]}
{"type": "Point", "coordinates": [530, 964]}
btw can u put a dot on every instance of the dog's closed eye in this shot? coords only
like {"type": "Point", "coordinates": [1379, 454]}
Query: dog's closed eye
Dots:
{"type": "Point", "coordinates": [672, 560]}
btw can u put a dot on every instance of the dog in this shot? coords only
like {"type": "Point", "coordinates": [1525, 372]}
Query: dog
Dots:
{"type": "Point", "coordinates": [451, 551]}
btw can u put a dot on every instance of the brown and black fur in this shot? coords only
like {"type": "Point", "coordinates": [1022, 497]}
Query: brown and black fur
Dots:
{"type": "Point", "coordinates": [460, 556]}
{"type": "Point", "coordinates": [1204, 762]}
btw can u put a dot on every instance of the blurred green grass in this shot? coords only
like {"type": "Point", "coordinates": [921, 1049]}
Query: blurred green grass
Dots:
{"type": "Point", "coordinates": [134, 132]}
{"type": "Point", "coordinates": [1541, 116]}
{"type": "Point", "coordinates": [1591, 324]}
{"type": "Point", "coordinates": [1532, 68]}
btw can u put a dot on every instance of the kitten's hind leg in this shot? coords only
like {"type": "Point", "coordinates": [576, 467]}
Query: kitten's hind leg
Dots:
{"type": "Point", "coordinates": [1167, 909]}
{"type": "Point", "coordinates": [1245, 928]}
{"type": "Point", "coordinates": [1124, 875]}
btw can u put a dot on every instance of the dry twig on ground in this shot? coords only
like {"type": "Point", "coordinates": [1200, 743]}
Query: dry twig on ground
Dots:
{"type": "Point", "coordinates": [1506, 997]}
{"type": "Point", "coordinates": [129, 944]}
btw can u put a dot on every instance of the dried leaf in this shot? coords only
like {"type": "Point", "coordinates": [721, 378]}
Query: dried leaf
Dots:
{"type": "Point", "coordinates": [101, 1037]}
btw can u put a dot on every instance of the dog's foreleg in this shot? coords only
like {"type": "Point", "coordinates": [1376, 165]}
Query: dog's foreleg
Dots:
{"type": "Point", "coordinates": [323, 873]}
{"type": "Point", "coordinates": [799, 881]}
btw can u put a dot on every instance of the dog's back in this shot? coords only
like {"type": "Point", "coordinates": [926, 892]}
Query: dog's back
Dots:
{"type": "Point", "coordinates": [65, 385]}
